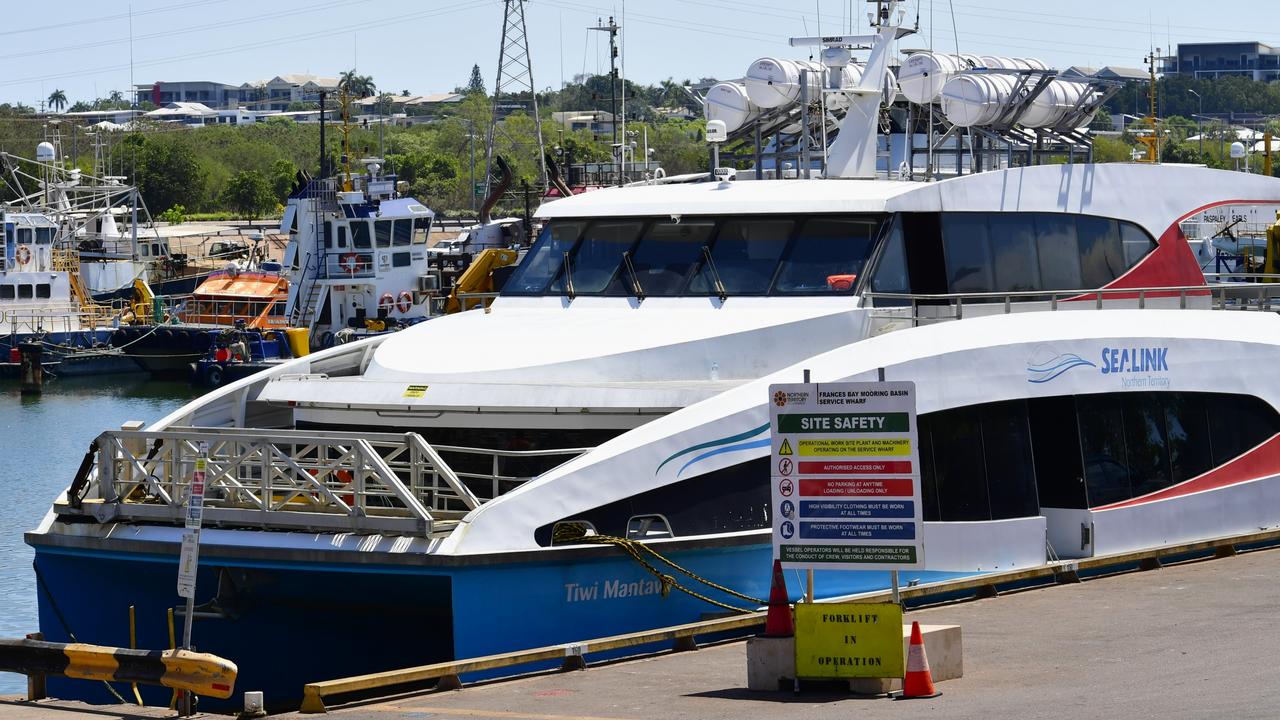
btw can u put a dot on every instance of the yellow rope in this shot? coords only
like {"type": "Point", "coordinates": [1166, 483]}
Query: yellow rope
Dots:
{"type": "Point", "coordinates": [577, 532]}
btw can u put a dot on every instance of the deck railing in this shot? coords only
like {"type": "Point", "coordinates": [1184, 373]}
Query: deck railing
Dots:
{"type": "Point", "coordinates": [286, 479]}
{"type": "Point", "coordinates": [938, 307]}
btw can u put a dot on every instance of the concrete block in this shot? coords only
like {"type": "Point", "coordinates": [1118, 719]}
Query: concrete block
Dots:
{"type": "Point", "coordinates": [771, 662]}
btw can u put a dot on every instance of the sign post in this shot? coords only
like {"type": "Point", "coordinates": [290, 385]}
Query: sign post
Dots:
{"type": "Point", "coordinates": [845, 483]}
{"type": "Point", "coordinates": [189, 559]}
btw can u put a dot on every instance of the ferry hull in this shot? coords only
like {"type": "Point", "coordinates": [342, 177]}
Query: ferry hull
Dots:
{"type": "Point", "coordinates": [287, 623]}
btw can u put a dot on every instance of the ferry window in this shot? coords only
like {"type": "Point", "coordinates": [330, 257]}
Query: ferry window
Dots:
{"type": "Point", "coordinates": [1137, 243]}
{"type": "Point", "coordinates": [328, 234]}
{"type": "Point", "coordinates": [959, 468]}
{"type": "Point", "coordinates": [1187, 428]}
{"type": "Point", "coordinates": [402, 232]}
{"type": "Point", "coordinates": [1057, 251]}
{"type": "Point", "coordinates": [598, 256]}
{"type": "Point", "coordinates": [665, 255]}
{"type": "Point", "coordinates": [1106, 467]}
{"type": "Point", "coordinates": [421, 229]}
{"type": "Point", "coordinates": [1055, 437]}
{"type": "Point", "coordinates": [928, 478]}
{"type": "Point", "coordinates": [1101, 253]}
{"type": "Point", "coordinates": [891, 270]}
{"type": "Point", "coordinates": [648, 527]}
{"type": "Point", "coordinates": [1006, 449]}
{"type": "Point", "coordinates": [543, 262]}
{"type": "Point", "coordinates": [382, 233]}
{"type": "Point", "coordinates": [745, 255]}
{"type": "Point", "coordinates": [1239, 423]}
{"type": "Point", "coordinates": [827, 255]}
{"type": "Point", "coordinates": [44, 235]}
{"type": "Point", "coordinates": [25, 292]}
{"type": "Point", "coordinates": [6, 292]}
{"type": "Point", "coordinates": [342, 236]}
{"type": "Point", "coordinates": [43, 291]}
{"type": "Point", "coordinates": [360, 235]}
{"type": "Point", "coordinates": [146, 250]}
{"type": "Point", "coordinates": [1146, 442]}
{"type": "Point", "coordinates": [967, 253]}
{"type": "Point", "coordinates": [1013, 253]}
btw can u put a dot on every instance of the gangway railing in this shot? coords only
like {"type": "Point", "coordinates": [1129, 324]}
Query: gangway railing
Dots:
{"type": "Point", "coordinates": [939, 307]}
{"type": "Point", "coordinates": [285, 479]}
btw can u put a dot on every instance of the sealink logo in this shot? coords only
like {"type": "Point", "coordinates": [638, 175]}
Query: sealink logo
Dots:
{"type": "Point", "coordinates": [1137, 366]}
{"type": "Point", "coordinates": [1042, 369]}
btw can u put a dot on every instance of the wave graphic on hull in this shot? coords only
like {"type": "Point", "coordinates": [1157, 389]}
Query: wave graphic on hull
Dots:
{"type": "Point", "coordinates": [1050, 369]}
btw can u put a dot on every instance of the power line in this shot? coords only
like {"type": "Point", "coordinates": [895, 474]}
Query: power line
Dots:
{"type": "Point", "coordinates": [108, 18]}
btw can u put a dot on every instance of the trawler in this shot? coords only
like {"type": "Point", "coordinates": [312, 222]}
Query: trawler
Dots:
{"type": "Point", "coordinates": [393, 501]}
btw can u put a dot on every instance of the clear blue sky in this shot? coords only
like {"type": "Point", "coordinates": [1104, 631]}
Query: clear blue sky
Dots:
{"type": "Point", "coordinates": [426, 46]}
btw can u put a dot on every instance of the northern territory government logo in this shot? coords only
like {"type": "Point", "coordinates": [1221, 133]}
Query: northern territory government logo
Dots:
{"type": "Point", "coordinates": [1137, 366]}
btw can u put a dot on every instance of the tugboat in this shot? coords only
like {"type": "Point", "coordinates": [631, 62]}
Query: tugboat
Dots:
{"type": "Point", "coordinates": [242, 351]}
{"type": "Point", "coordinates": [184, 332]}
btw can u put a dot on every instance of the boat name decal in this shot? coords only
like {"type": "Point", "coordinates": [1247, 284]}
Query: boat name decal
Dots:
{"type": "Point", "coordinates": [611, 589]}
{"type": "Point", "coordinates": [1128, 362]}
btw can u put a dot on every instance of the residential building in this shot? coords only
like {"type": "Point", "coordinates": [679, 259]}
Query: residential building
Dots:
{"type": "Point", "coordinates": [1254, 60]}
{"type": "Point", "coordinates": [205, 92]}
{"type": "Point", "coordinates": [281, 91]}
{"type": "Point", "coordinates": [599, 122]}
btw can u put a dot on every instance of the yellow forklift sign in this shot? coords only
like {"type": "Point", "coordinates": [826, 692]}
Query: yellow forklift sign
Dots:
{"type": "Point", "coordinates": [849, 640]}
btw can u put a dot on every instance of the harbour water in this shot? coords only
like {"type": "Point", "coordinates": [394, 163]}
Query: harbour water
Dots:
{"type": "Point", "coordinates": [42, 440]}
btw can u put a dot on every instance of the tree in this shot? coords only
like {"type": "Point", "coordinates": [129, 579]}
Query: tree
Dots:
{"type": "Point", "coordinates": [57, 100]}
{"type": "Point", "coordinates": [404, 93]}
{"type": "Point", "coordinates": [166, 170]}
{"type": "Point", "coordinates": [476, 84]}
{"type": "Point", "coordinates": [250, 194]}
{"type": "Point", "coordinates": [283, 174]}
{"type": "Point", "coordinates": [362, 86]}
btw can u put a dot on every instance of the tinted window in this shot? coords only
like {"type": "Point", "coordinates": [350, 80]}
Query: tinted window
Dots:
{"type": "Point", "coordinates": [891, 270]}
{"type": "Point", "coordinates": [24, 236]}
{"type": "Point", "coordinates": [421, 228]}
{"type": "Point", "coordinates": [382, 233]}
{"type": "Point", "coordinates": [543, 262]}
{"type": "Point", "coordinates": [328, 234]}
{"type": "Point", "coordinates": [745, 255]}
{"type": "Point", "coordinates": [665, 257]}
{"type": "Point", "coordinates": [1014, 256]}
{"type": "Point", "coordinates": [1006, 445]}
{"type": "Point", "coordinates": [827, 255]}
{"type": "Point", "coordinates": [1238, 423]}
{"type": "Point", "coordinates": [25, 292]}
{"type": "Point", "coordinates": [6, 292]}
{"type": "Point", "coordinates": [1187, 432]}
{"type": "Point", "coordinates": [1146, 442]}
{"type": "Point", "coordinates": [959, 469]}
{"type": "Point", "coordinates": [1137, 244]}
{"type": "Point", "coordinates": [1106, 465]}
{"type": "Point", "coordinates": [342, 236]}
{"type": "Point", "coordinates": [968, 255]}
{"type": "Point", "coordinates": [1056, 439]}
{"type": "Point", "coordinates": [1101, 254]}
{"type": "Point", "coordinates": [43, 290]}
{"type": "Point", "coordinates": [598, 256]}
{"type": "Point", "coordinates": [44, 235]}
{"type": "Point", "coordinates": [402, 232]}
{"type": "Point", "coordinates": [1057, 252]}
{"type": "Point", "coordinates": [360, 235]}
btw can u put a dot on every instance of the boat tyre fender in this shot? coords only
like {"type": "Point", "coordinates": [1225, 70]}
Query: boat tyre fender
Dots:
{"type": "Point", "coordinates": [326, 340]}
{"type": "Point", "coordinates": [193, 374]}
{"type": "Point", "coordinates": [404, 302]}
{"type": "Point", "coordinates": [201, 342]}
{"type": "Point", "coordinates": [387, 302]}
{"type": "Point", "coordinates": [213, 376]}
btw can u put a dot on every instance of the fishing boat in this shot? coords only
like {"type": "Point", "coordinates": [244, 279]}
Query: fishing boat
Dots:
{"type": "Point", "coordinates": [1082, 391]}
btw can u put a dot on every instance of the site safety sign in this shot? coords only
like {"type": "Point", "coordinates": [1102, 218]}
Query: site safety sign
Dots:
{"type": "Point", "coordinates": [845, 469]}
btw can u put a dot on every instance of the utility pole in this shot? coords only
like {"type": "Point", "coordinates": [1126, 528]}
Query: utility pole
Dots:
{"type": "Point", "coordinates": [515, 76]}
{"type": "Point", "coordinates": [612, 28]}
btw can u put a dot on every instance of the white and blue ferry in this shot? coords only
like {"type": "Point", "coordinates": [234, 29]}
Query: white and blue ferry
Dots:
{"type": "Point", "coordinates": [422, 496]}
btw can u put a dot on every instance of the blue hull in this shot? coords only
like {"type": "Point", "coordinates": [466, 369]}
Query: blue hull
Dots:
{"type": "Point", "coordinates": [64, 354]}
{"type": "Point", "coordinates": [289, 623]}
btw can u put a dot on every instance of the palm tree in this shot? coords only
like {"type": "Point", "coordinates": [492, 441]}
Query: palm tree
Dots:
{"type": "Point", "coordinates": [362, 86]}
{"type": "Point", "coordinates": [57, 100]}
{"type": "Point", "coordinates": [115, 96]}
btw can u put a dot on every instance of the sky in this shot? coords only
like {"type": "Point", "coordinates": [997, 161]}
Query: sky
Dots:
{"type": "Point", "coordinates": [84, 48]}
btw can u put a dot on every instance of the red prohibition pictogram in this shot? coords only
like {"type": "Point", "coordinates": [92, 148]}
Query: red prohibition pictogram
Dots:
{"type": "Point", "coordinates": [785, 466]}
{"type": "Point", "coordinates": [786, 487]}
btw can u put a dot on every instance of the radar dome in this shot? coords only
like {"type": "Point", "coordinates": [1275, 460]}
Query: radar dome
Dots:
{"type": "Point", "coordinates": [45, 152]}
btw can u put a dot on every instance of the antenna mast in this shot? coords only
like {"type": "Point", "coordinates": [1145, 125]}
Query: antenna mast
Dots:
{"type": "Point", "coordinates": [612, 28]}
{"type": "Point", "coordinates": [515, 76]}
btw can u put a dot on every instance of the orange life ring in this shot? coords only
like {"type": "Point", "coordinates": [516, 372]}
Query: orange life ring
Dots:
{"type": "Point", "coordinates": [404, 302]}
{"type": "Point", "coordinates": [350, 262]}
{"type": "Point", "coordinates": [386, 302]}
{"type": "Point", "coordinates": [23, 254]}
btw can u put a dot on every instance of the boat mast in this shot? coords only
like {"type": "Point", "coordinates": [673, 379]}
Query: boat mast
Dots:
{"type": "Point", "coordinates": [853, 154]}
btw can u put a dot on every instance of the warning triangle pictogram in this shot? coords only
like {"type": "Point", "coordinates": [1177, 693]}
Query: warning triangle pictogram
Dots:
{"type": "Point", "coordinates": [786, 448]}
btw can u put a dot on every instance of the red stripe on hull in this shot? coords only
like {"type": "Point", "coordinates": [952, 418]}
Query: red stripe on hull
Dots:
{"type": "Point", "coordinates": [1262, 461]}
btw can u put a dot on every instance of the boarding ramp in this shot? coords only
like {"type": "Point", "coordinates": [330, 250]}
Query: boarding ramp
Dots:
{"type": "Point", "coordinates": [392, 484]}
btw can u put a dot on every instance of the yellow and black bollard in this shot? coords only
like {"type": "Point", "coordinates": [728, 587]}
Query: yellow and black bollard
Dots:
{"type": "Point", "coordinates": [198, 673]}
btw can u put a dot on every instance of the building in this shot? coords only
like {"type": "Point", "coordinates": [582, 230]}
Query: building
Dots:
{"type": "Point", "coordinates": [599, 122]}
{"type": "Point", "coordinates": [206, 92]}
{"type": "Point", "coordinates": [1254, 60]}
{"type": "Point", "coordinates": [275, 94]}
{"type": "Point", "coordinates": [1110, 72]}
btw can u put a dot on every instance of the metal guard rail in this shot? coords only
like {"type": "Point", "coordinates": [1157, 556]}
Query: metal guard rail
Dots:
{"type": "Point", "coordinates": [1067, 571]}
{"type": "Point", "coordinates": [283, 479]}
{"type": "Point", "coordinates": [1221, 296]}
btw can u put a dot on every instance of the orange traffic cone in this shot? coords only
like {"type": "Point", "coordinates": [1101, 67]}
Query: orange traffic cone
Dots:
{"type": "Point", "coordinates": [778, 622]}
{"type": "Point", "coordinates": [918, 682]}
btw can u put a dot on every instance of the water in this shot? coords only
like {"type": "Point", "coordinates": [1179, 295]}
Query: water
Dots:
{"type": "Point", "coordinates": [42, 441]}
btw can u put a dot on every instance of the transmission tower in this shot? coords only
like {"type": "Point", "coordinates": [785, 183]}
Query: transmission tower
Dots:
{"type": "Point", "coordinates": [515, 76]}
